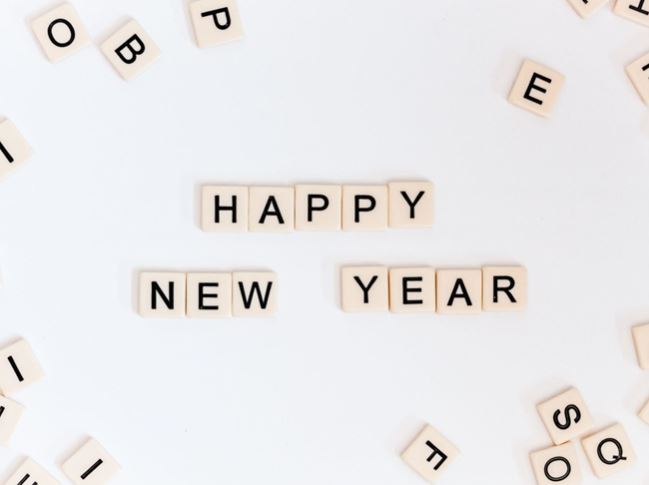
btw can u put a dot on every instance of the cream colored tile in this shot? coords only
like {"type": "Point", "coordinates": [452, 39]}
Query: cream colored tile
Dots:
{"type": "Point", "coordinates": [19, 367]}
{"type": "Point", "coordinates": [565, 416]}
{"type": "Point", "coordinates": [364, 289]}
{"type": "Point", "coordinates": [411, 205]}
{"type": "Point", "coordinates": [271, 209]}
{"type": "Point", "coordinates": [536, 88]}
{"type": "Point", "coordinates": [209, 295]}
{"type": "Point", "coordinates": [31, 473]}
{"type": "Point", "coordinates": [318, 207]}
{"type": "Point", "coordinates": [430, 454]}
{"type": "Point", "coordinates": [459, 291]}
{"type": "Point", "coordinates": [609, 451]}
{"type": "Point", "coordinates": [60, 32]}
{"type": "Point", "coordinates": [91, 465]}
{"type": "Point", "coordinates": [504, 288]}
{"type": "Point", "coordinates": [412, 290]}
{"type": "Point", "coordinates": [641, 338]}
{"type": "Point", "coordinates": [586, 8]}
{"type": "Point", "coordinates": [365, 207]}
{"type": "Point", "coordinates": [215, 21]}
{"type": "Point", "coordinates": [10, 414]}
{"type": "Point", "coordinates": [644, 413]}
{"type": "Point", "coordinates": [224, 208]}
{"type": "Point", "coordinates": [634, 10]}
{"type": "Point", "coordinates": [14, 149]}
{"type": "Point", "coordinates": [558, 464]}
{"type": "Point", "coordinates": [638, 72]}
{"type": "Point", "coordinates": [254, 294]}
{"type": "Point", "coordinates": [162, 294]}
{"type": "Point", "coordinates": [130, 50]}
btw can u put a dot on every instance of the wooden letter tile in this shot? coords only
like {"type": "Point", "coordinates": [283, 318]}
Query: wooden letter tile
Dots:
{"type": "Point", "coordinates": [60, 32]}
{"type": "Point", "coordinates": [318, 207]}
{"type": "Point", "coordinates": [638, 72]}
{"type": "Point", "coordinates": [430, 454]}
{"type": "Point", "coordinates": [271, 209]}
{"type": "Point", "coordinates": [641, 338]}
{"type": "Point", "coordinates": [412, 290]}
{"type": "Point", "coordinates": [536, 88]}
{"type": "Point", "coordinates": [365, 207]}
{"type": "Point", "coordinates": [215, 21]}
{"type": "Point", "coordinates": [90, 465]}
{"type": "Point", "coordinates": [586, 8]}
{"type": "Point", "coordinates": [459, 291]}
{"type": "Point", "coordinates": [130, 50]}
{"type": "Point", "coordinates": [10, 414]}
{"type": "Point", "coordinates": [162, 295]}
{"type": "Point", "coordinates": [504, 288]}
{"type": "Point", "coordinates": [31, 473]}
{"type": "Point", "coordinates": [209, 295]}
{"type": "Point", "coordinates": [224, 208]}
{"type": "Point", "coordinates": [635, 10]}
{"type": "Point", "coordinates": [609, 451]}
{"type": "Point", "coordinates": [644, 413]}
{"type": "Point", "coordinates": [411, 205]}
{"type": "Point", "coordinates": [254, 294]}
{"type": "Point", "coordinates": [365, 289]}
{"type": "Point", "coordinates": [18, 367]}
{"type": "Point", "coordinates": [558, 464]}
{"type": "Point", "coordinates": [565, 416]}
{"type": "Point", "coordinates": [14, 149]}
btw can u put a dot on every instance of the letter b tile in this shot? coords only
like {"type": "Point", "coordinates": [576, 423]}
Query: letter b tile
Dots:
{"type": "Point", "coordinates": [565, 416]}
{"type": "Point", "coordinates": [130, 50]}
{"type": "Point", "coordinates": [609, 451]}
{"type": "Point", "coordinates": [430, 454]}
{"type": "Point", "coordinates": [215, 22]}
{"type": "Point", "coordinates": [558, 464]}
{"type": "Point", "coordinates": [536, 88]}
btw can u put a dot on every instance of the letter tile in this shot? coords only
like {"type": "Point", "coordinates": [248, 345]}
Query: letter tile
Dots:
{"type": "Point", "coordinates": [162, 294]}
{"type": "Point", "coordinates": [641, 338]}
{"type": "Point", "coordinates": [412, 290]}
{"type": "Point", "coordinates": [209, 295]}
{"type": "Point", "coordinates": [215, 21]}
{"type": "Point", "coordinates": [10, 414]}
{"type": "Point", "coordinates": [565, 416]}
{"type": "Point", "coordinates": [609, 451]}
{"type": "Point", "coordinates": [90, 465]}
{"type": "Point", "coordinates": [638, 72]}
{"type": "Point", "coordinates": [14, 149]}
{"type": "Point", "coordinates": [318, 207]}
{"type": "Point", "coordinates": [254, 294]}
{"type": "Point", "coordinates": [558, 464]}
{"type": "Point", "coordinates": [365, 289]}
{"type": "Point", "coordinates": [365, 207]}
{"type": "Point", "coordinates": [586, 8]}
{"type": "Point", "coordinates": [536, 88]}
{"type": "Point", "coordinates": [224, 208]}
{"type": "Point", "coordinates": [504, 288]}
{"type": "Point", "coordinates": [644, 413]}
{"type": "Point", "coordinates": [411, 205]}
{"type": "Point", "coordinates": [18, 367]}
{"type": "Point", "coordinates": [130, 50]}
{"type": "Point", "coordinates": [430, 454]}
{"type": "Point", "coordinates": [60, 32]}
{"type": "Point", "coordinates": [31, 473]}
{"type": "Point", "coordinates": [459, 291]}
{"type": "Point", "coordinates": [271, 209]}
{"type": "Point", "coordinates": [635, 10]}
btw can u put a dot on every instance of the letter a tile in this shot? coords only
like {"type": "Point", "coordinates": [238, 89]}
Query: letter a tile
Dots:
{"type": "Point", "coordinates": [215, 22]}
{"type": "Point", "coordinates": [536, 88]}
{"type": "Point", "coordinates": [430, 454]}
{"type": "Point", "coordinates": [130, 50]}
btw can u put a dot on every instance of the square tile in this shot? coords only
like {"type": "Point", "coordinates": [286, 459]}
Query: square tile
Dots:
{"type": "Point", "coordinates": [536, 88]}
{"type": "Point", "coordinates": [641, 339]}
{"type": "Point", "coordinates": [586, 8]}
{"type": "Point", "coordinates": [459, 291]}
{"type": "Point", "coordinates": [412, 290]}
{"type": "Point", "coordinates": [90, 465]}
{"type": "Point", "coordinates": [60, 32]}
{"type": "Point", "coordinates": [31, 473]}
{"type": "Point", "coordinates": [224, 208]}
{"type": "Point", "coordinates": [430, 454]}
{"type": "Point", "coordinates": [271, 209]}
{"type": "Point", "coordinates": [565, 416]}
{"type": "Point", "coordinates": [364, 289]}
{"type": "Point", "coordinates": [215, 21]}
{"type": "Point", "coordinates": [19, 367]}
{"type": "Point", "coordinates": [162, 295]}
{"type": "Point", "coordinates": [318, 207]}
{"type": "Point", "coordinates": [635, 10]}
{"type": "Point", "coordinates": [365, 207]}
{"type": "Point", "coordinates": [609, 451]}
{"type": "Point", "coordinates": [558, 464]}
{"type": "Point", "coordinates": [644, 413]}
{"type": "Point", "coordinates": [14, 149]}
{"type": "Point", "coordinates": [638, 72]}
{"type": "Point", "coordinates": [254, 294]}
{"type": "Point", "coordinates": [411, 205]}
{"type": "Point", "coordinates": [10, 414]}
{"type": "Point", "coordinates": [130, 50]}
{"type": "Point", "coordinates": [209, 295]}
{"type": "Point", "coordinates": [504, 288]}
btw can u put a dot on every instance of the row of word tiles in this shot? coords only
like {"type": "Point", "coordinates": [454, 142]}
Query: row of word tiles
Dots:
{"type": "Point", "coordinates": [641, 338]}
{"type": "Point", "coordinates": [430, 454]}
{"type": "Point", "coordinates": [90, 465]}
{"type": "Point", "coordinates": [208, 295]}
{"type": "Point", "coordinates": [18, 367]}
{"type": "Point", "coordinates": [31, 473]}
{"type": "Point", "coordinates": [14, 149]}
{"type": "Point", "coordinates": [317, 207]}
{"type": "Point", "coordinates": [424, 289]}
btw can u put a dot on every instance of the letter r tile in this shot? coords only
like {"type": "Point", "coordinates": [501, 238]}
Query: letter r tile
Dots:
{"type": "Point", "coordinates": [130, 50]}
{"type": "Point", "coordinates": [430, 454]}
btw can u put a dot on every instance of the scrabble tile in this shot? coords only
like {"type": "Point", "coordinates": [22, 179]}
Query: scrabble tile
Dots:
{"type": "Point", "coordinates": [90, 465]}
{"type": "Point", "coordinates": [536, 88]}
{"type": "Point", "coordinates": [558, 464]}
{"type": "Point", "coordinates": [609, 451]}
{"type": "Point", "coordinates": [365, 207]}
{"type": "Point", "coordinates": [60, 32]}
{"type": "Point", "coordinates": [18, 367]}
{"type": "Point", "coordinates": [635, 10]}
{"type": "Point", "coordinates": [14, 149]}
{"type": "Point", "coordinates": [459, 291]}
{"type": "Point", "coordinates": [215, 21]}
{"type": "Point", "coordinates": [641, 338]}
{"type": "Point", "coordinates": [10, 414]}
{"type": "Point", "coordinates": [430, 454]}
{"type": "Point", "coordinates": [31, 473]}
{"type": "Point", "coordinates": [565, 416]}
{"type": "Point", "coordinates": [412, 290]}
{"type": "Point", "coordinates": [318, 207]}
{"type": "Point", "coordinates": [644, 413]}
{"type": "Point", "coordinates": [209, 295]}
{"type": "Point", "coordinates": [254, 294]}
{"type": "Point", "coordinates": [638, 72]}
{"type": "Point", "coordinates": [504, 288]}
{"type": "Point", "coordinates": [224, 208]}
{"type": "Point", "coordinates": [410, 205]}
{"type": "Point", "coordinates": [162, 294]}
{"type": "Point", "coordinates": [271, 209]}
{"type": "Point", "coordinates": [130, 50]}
{"type": "Point", "coordinates": [586, 8]}
{"type": "Point", "coordinates": [365, 289]}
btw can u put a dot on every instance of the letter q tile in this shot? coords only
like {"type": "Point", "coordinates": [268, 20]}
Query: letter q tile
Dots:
{"type": "Point", "coordinates": [609, 451]}
{"type": "Point", "coordinates": [130, 50]}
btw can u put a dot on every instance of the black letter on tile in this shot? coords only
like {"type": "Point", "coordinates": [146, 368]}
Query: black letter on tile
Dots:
{"type": "Point", "coordinates": [202, 295]}
{"type": "Point", "coordinates": [24, 480]}
{"type": "Point", "coordinates": [412, 203]}
{"type": "Point", "coordinates": [358, 208]}
{"type": "Point", "coordinates": [215, 15]}
{"type": "Point", "coordinates": [405, 289]}
{"type": "Point", "coordinates": [50, 33]}
{"type": "Point", "coordinates": [614, 459]}
{"type": "Point", "coordinates": [156, 290]}
{"type": "Point", "coordinates": [366, 289]}
{"type": "Point", "coordinates": [15, 368]}
{"type": "Point", "coordinates": [96, 465]}
{"type": "Point", "coordinates": [134, 51]}
{"type": "Point", "coordinates": [255, 290]}
{"type": "Point", "coordinates": [271, 212]}
{"type": "Point", "coordinates": [568, 421]}
{"type": "Point", "coordinates": [6, 153]}
{"type": "Point", "coordinates": [506, 289]}
{"type": "Point", "coordinates": [561, 459]}
{"type": "Point", "coordinates": [311, 208]}
{"type": "Point", "coordinates": [436, 451]}
{"type": "Point", "coordinates": [532, 86]}
{"type": "Point", "coordinates": [218, 208]}
{"type": "Point", "coordinates": [459, 291]}
{"type": "Point", "coordinates": [639, 8]}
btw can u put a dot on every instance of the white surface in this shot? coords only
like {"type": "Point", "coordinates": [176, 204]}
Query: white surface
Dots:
{"type": "Point", "coordinates": [320, 91]}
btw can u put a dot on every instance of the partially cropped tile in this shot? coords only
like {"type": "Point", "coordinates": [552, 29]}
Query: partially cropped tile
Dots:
{"type": "Point", "coordinates": [14, 149]}
{"type": "Point", "coordinates": [565, 416]}
{"type": "Point", "coordinates": [412, 290]}
{"type": "Point", "coordinates": [224, 208]}
{"type": "Point", "coordinates": [162, 295]}
{"type": "Point", "coordinates": [130, 50]}
{"type": "Point", "coordinates": [60, 32]}
{"type": "Point", "coordinates": [365, 207]}
{"type": "Point", "coordinates": [609, 451]}
{"type": "Point", "coordinates": [459, 291]}
{"type": "Point", "coordinates": [638, 72]}
{"type": "Point", "coordinates": [430, 454]}
{"type": "Point", "coordinates": [364, 289]}
{"type": "Point", "coordinates": [31, 473]}
{"type": "Point", "coordinates": [504, 288]}
{"type": "Point", "coordinates": [558, 464]}
{"type": "Point", "coordinates": [318, 207]}
{"type": "Point", "coordinates": [209, 295]}
{"type": "Point", "coordinates": [215, 21]}
{"type": "Point", "coordinates": [91, 465]}
{"type": "Point", "coordinates": [536, 88]}
{"type": "Point", "coordinates": [644, 413]}
{"type": "Point", "coordinates": [411, 205]}
{"type": "Point", "coordinates": [10, 414]}
{"type": "Point", "coordinates": [634, 10]}
{"type": "Point", "coordinates": [254, 294]}
{"type": "Point", "coordinates": [641, 339]}
{"type": "Point", "coordinates": [271, 209]}
{"type": "Point", "coordinates": [586, 8]}
{"type": "Point", "coordinates": [19, 367]}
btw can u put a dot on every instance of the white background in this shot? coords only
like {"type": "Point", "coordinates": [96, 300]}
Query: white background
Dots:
{"type": "Point", "coordinates": [324, 91]}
